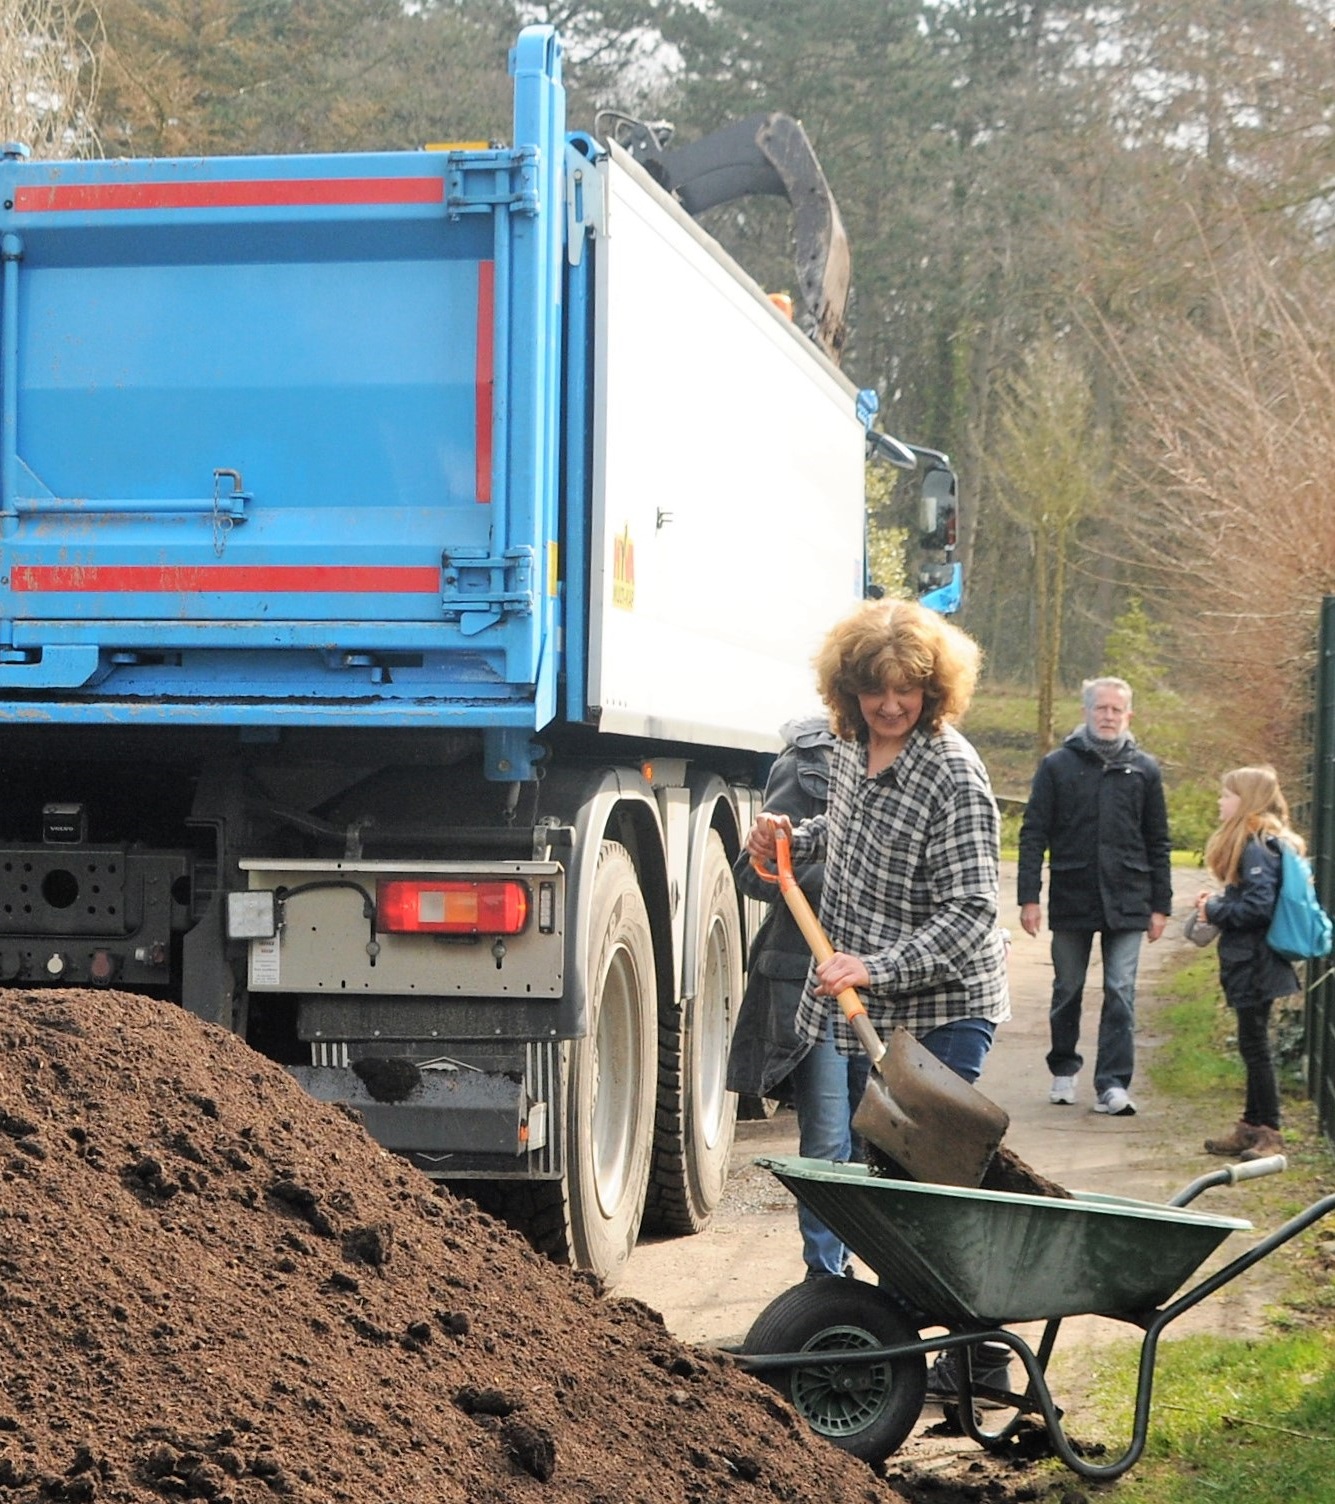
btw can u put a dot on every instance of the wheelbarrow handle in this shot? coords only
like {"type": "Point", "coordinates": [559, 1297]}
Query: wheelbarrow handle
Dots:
{"type": "Point", "coordinates": [804, 916]}
{"type": "Point", "coordinates": [1250, 1169]}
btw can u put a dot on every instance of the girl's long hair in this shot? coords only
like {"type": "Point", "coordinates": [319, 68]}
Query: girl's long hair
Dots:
{"type": "Point", "coordinates": [1262, 811]}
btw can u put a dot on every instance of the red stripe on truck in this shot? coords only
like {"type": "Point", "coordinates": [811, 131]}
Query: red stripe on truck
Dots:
{"type": "Point", "coordinates": [246, 579]}
{"type": "Point", "coordinates": [486, 372]}
{"type": "Point", "coordinates": [258, 193]}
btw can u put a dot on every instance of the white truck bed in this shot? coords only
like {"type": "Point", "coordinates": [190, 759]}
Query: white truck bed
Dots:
{"type": "Point", "coordinates": [728, 491]}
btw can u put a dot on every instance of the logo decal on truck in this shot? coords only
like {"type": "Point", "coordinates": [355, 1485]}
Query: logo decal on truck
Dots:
{"type": "Point", "coordinates": [623, 571]}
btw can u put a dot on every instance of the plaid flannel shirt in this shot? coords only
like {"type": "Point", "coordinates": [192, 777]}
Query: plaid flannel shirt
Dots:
{"type": "Point", "coordinates": [911, 886]}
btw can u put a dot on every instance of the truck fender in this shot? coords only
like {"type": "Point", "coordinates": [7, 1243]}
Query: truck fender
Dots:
{"type": "Point", "coordinates": [619, 804]}
{"type": "Point", "coordinates": [712, 808]}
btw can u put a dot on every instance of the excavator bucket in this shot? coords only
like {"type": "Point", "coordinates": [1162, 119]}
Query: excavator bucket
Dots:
{"type": "Point", "coordinates": [766, 153]}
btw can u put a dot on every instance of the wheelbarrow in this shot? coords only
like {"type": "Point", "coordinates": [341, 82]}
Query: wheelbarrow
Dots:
{"type": "Point", "coordinates": [849, 1355]}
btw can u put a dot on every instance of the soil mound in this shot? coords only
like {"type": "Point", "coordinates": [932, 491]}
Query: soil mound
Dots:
{"type": "Point", "coordinates": [213, 1287]}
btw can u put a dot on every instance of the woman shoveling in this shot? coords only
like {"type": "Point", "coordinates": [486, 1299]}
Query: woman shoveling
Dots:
{"type": "Point", "coordinates": [911, 839]}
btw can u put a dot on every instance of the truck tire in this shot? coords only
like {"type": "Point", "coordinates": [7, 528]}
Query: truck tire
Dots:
{"type": "Point", "coordinates": [591, 1217]}
{"type": "Point", "coordinates": [696, 1112]}
{"type": "Point", "coordinates": [868, 1409]}
{"type": "Point", "coordinates": [609, 1097]}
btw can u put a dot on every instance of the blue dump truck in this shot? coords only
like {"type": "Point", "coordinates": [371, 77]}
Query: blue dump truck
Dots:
{"type": "Point", "coordinates": [405, 563]}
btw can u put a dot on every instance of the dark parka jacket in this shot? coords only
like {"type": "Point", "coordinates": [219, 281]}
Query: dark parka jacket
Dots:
{"type": "Point", "coordinates": [1104, 826]}
{"type": "Point", "coordinates": [765, 1042]}
{"type": "Point", "coordinates": [1249, 971]}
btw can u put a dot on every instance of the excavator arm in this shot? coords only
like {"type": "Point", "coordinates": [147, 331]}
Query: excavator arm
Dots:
{"type": "Point", "coordinates": [767, 154]}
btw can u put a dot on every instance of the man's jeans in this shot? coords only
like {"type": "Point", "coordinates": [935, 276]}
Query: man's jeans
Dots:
{"type": "Point", "coordinates": [1116, 1058]}
{"type": "Point", "coordinates": [827, 1088]}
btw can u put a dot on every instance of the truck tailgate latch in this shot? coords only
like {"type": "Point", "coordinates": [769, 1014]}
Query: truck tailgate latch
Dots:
{"type": "Point", "coordinates": [228, 510]}
{"type": "Point", "coordinates": [478, 590]}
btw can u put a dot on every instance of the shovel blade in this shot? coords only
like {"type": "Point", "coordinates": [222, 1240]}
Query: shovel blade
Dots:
{"type": "Point", "coordinates": [941, 1130]}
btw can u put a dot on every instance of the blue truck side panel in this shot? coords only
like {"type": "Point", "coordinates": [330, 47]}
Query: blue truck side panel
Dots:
{"type": "Point", "coordinates": [280, 436]}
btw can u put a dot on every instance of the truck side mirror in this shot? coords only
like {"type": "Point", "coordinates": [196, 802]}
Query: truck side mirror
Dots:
{"type": "Point", "coordinates": [938, 510]}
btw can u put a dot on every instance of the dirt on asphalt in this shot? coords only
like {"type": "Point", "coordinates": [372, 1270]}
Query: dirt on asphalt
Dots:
{"type": "Point", "coordinates": [213, 1287]}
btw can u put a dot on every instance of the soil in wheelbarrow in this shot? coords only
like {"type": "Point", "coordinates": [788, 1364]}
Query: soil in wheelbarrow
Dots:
{"type": "Point", "coordinates": [1006, 1171]}
{"type": "Point", "coordinates": [213, 1287]}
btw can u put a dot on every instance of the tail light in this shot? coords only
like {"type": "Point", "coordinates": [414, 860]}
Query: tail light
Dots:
{"type": "Point", "coordinates": [451, 908]}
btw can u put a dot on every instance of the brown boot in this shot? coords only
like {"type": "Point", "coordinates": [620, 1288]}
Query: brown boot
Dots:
{"type": "Point", "coordinates": [1265, 1142]}
{"type": "Point", "coordinates": [1240, 1137]}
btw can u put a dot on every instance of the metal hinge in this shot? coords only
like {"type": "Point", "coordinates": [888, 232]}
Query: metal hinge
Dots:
{"type": "Point", "coordinates": [478, 590]}
{"type": "Point", "coordinates": [478, 180]}
{"type": "Point", "coordinates": [586, 206]}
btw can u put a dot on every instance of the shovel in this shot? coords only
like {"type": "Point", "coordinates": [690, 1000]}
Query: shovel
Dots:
{"type": "Point", "coordinates": [937, 1127]}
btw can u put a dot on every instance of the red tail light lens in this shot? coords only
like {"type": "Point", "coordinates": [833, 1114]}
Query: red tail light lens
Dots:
{"type": "Point", "coordinates": [451, 908]}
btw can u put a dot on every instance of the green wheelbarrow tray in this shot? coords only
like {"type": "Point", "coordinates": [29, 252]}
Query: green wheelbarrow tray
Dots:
{"type": "Point", "coordinates": [971, 1257]}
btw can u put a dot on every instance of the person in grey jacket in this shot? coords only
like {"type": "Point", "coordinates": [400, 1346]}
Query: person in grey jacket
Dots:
{"type": "Point", "coordinates": [1097, 810]}
{"type": "Point", "coordinates": [768, 1058]}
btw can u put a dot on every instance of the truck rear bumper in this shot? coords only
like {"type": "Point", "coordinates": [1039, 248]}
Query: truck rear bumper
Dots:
{"type": "Point", "coordinates": [449, 1124]}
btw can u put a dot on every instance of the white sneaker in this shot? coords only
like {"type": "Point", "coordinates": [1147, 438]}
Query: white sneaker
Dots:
{"type": "Point", "coordinates": [1116, 1103]}
{"type": "Point", "coordinates": [1063, 1090]}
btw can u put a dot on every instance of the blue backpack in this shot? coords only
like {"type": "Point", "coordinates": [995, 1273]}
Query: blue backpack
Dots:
{"type": "Point", "coordinates": [1301, 928]}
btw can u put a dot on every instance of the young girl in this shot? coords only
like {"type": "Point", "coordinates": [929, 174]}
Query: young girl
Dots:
{"type": "Point", "coordinates": [1243, 854]}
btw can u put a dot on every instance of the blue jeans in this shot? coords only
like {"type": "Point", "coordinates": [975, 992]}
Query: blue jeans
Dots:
{"type": "Point", "coordinates": [1116, 1058]}
{"type": "Point", "coordinates": [962, 1044]}
{"type": "Point", "coordinates": [827, 1088]}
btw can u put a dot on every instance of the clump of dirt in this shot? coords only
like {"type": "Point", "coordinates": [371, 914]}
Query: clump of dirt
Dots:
{"type": "Point", "coordinates": [213, 1287]}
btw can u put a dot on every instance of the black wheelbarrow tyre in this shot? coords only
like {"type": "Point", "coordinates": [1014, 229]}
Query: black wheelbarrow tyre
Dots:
{"type": "Point", "coordinates": [871, 1419]}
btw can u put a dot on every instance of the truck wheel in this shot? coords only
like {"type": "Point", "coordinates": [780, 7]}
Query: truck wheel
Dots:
{"type": "Point", "coordinates": [866, 1409]}
{"type": "Point", "coordinates": [609, 1097]}
{"type": "Point", "coordinates": [591, 1216]}
{"type": "Point", "coordinates": [696, 1112]}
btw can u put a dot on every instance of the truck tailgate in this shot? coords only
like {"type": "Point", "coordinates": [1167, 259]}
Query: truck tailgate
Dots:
{"type": "Point", "coordinates": [273, 431]}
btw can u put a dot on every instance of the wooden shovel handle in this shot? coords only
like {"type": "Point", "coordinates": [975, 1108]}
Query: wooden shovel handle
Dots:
{"type": "Point", "coordinates": [819, 941]}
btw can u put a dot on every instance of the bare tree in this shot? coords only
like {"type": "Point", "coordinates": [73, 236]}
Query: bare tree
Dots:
{"type": "Point", "coordinates": [1050, 472]}
{"type": "Point", "coordinates": [1236, 418]}
{"type": "Point", "coordinates": [50, 53]}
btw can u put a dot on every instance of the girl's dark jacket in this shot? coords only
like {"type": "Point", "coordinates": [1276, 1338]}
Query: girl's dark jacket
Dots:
{"type": "Point", "coordinates": [1104, 826]}
{"type": "Point", "coordinates": [1249, 971]}
{"type": "Point", "coordinates": [765, 1042]}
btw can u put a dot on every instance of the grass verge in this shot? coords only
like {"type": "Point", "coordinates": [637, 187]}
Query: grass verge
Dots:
{"type": "Point", "coordinates": [1234, 1418]}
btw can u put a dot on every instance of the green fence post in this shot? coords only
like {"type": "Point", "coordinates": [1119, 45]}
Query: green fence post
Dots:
{"type": "Point", "coordinates": [1320, 1012]}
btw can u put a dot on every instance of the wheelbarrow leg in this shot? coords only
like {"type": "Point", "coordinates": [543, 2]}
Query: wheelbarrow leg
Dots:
{"type": "Point", "coordinates": [1037, 1398]}
{"type": "Point", "coordinates": [1022, 1403]}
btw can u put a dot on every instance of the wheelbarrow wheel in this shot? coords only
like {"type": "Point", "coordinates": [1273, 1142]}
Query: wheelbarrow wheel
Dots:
{"type": "Point", "coordinates": [865, 1408]}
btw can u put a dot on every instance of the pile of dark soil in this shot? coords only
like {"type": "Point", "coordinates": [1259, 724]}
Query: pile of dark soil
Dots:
{"type": "Point", "coordinates": [213, 1287]}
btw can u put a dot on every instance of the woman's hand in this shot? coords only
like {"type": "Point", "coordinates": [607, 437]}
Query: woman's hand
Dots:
{"type": "Point", "coordinates": [760, 838]}
{"type": "Point", "coordinates": [841, 971]}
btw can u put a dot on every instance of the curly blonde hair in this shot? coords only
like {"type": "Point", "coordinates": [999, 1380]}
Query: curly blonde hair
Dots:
{"type": "Point", "coordinates": [1262, 811]}
{"type": "Point", "coordinates": [896, 643]}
